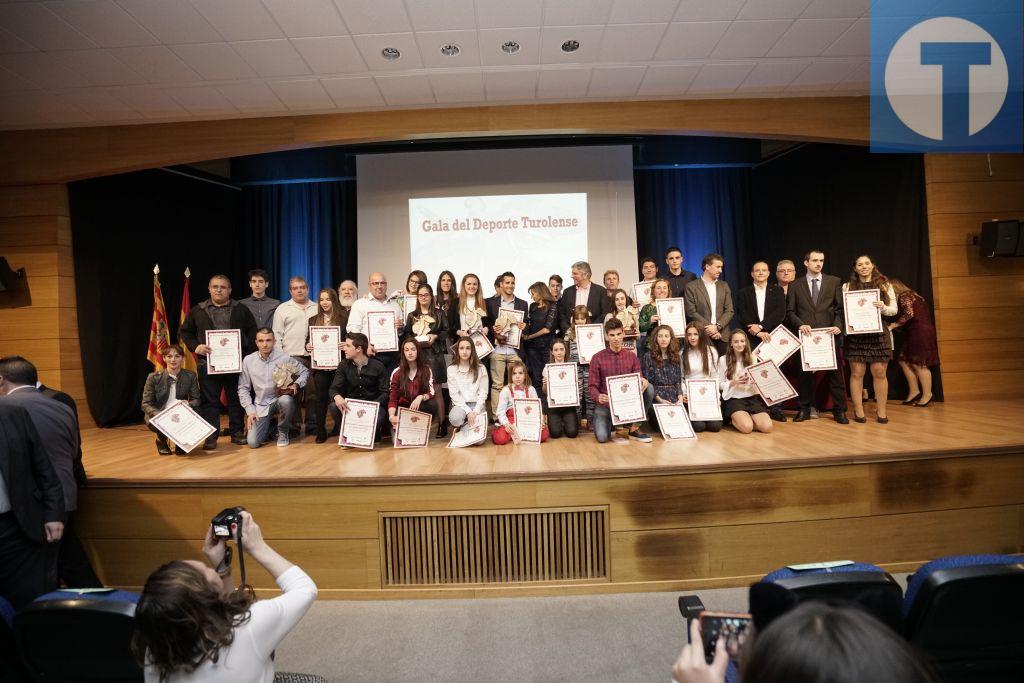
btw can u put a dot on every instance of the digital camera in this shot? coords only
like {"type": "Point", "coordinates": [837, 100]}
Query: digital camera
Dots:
{"type": "Point", "coordinates": [224, 519]}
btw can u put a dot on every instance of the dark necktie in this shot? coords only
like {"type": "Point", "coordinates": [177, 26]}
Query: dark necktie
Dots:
{"type": "Point", "coordinates": [815, 290]}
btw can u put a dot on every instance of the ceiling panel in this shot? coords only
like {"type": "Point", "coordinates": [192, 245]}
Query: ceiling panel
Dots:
{"type": "Point", "coordinates": [708, 10]}
{"type": "Point", "coordinates": [769, 76]}
{"type": "Point", "coordinates": [630, 42]}
{"type": "Point", "coordinates": [457, 87]}
{"type": "Point", "coordinates": [334, 55]}
{"type": "Point", "coordinates": [9, 82]}
{"type": "Point", "coordinates": [239, 19]}
{"type": "Point", "coordinates": [836, 9]}
{"type": "Point", "coordinates": [99, 67]}
{"type": "Point", "coordinates": [103, 22]}
{"type": "Point", "coordinates": [215, 61]}
{"type": "Point", "coordinates": [371, 46]}
{"type": "Point", "coordinates": [156, 63]}
{"type": "Point", "coordinates": [491, 41]}
{"type": "Point", "coordinates": [648, 11]}
{"type": "Point", "coordinates": [773, 9]}
{"type": "Point", "coordinates": [442, 15]}
{"type": "Point", "coordinates": [564, 83]}
{"type": "Point", "coordinates": [510, 85]}
{"type": "Point", "coordinates": [668, 79]}
{"type": "Point", "coordinates": [821, 75]}
{"type": "Point", "coordinates": [430, 43]}
{"type": "Point", "coordinates": [42, 69]}
{"type": "Point", "coordinates": [745, 39]}
{"type": "Point", "coordinates": [692, 40]}
{"type": "Point", "coordinates": [304, 18]}
{"type": "Point", "coordinates": [252, 98]}
{"type": "Point", "coordinates": [202, 100]}
{"type": "Point", "coordinates": [12, 43]}
{"type": "Point", "coordinates": [552, 38]}
{"type": "Point", "coordinates": [615, 81]}
{"type": "Point", "coordinates": [41, 28]}
{"type": "Point", "coordinates": [353, 93]}
{"type": "Point", "coordinates": [270, 58]}
{"type": "Point", "coordinates": [570, 12]}
{"type": "Point", "coordinates": [374, 16]}
{"type": "Point", "coordinates": [505, 14]}
{"type": "Point", "coordinates": [809, 37]}
{"type": "Point", "coordinates": [853, 43]}
{"type": "Point", "coordinates": [302, 95]}
{"type": "Point", "coordinates": [716, 78]}
{"type": "Point", "coordinates": [406, 90]}
{"type": "Point", "coordinates": [99, 104]}
{"type": "Point", "coordinates": [172, 21]}
{"type": "Point", "coordinates": [150, 102]}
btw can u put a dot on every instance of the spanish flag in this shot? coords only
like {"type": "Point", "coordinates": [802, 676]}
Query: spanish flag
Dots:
{"type": "Point", "coordinates": [158, 337]}
{"type": "Point", "coordinates": [189, 362]}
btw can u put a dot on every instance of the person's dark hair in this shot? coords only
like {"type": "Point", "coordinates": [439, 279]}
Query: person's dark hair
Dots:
{"type": "Point", "coordinates": [820, 642]}
{"type": "Point", "coordinates": [441, 299]}
{"type": "Point", "coordinates": [511, 367]}
{"type": "Point", "coordinates": [812, 251]}
{"type": "Point", "coordinates": [422, 366]}
{"type": "Point", "coordinates": [543, 293]}
{"type": "Point", "coordinates": [507, 273]}
{"type": "Point", "coordinates": [474, 361]}
{"type": "Point", "coordinates": [671, 354]}
{"type": "Point", "coordinates": [551, 347]}
{"type": "Point", "coordinates": [709, 259]}
{"type": "Point", "coordinates": [18, 370]}
{"type": "Point", "coordinates": [182, 621]}
{"type": "Point", "coordinates": [420, 276]}
{"type": "Point", "coordinates": [497, 281]}
{"type": "Point", "coordinates": [556, 277]}
{"type": "Point", "coordinates": [265, 330]}
{"type": "Point", "coordinates": [258, 272]}
{"type": "Point", "coordinates": [334, 317]}
{"type": "Point", "coordinates": [731, 358]}
{"type": "Point", "coordinates": [430, 306]}
{"type": "Point", "coordinates": [645, 260]}
{"type": "Point", "coordinates": [171, 348]}
{"type": "Point", "coordinates": [703, 346]}
{"type": "Point", "coordinates": [671, 249]}
{"type": "Point", "coordinates": [219, 276]}
{"type": "Point", "coordinates": [613, 324]}
{"type": "Point", "coordinates": [358, 340]}
{"type": "Point", "coordinates": [877, 281]}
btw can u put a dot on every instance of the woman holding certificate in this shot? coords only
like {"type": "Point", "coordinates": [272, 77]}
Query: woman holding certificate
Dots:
{"type": "Point", "coordinates": [661, 368]}
{"type": "Point", "coordinates": [743, 404]}
{"type": "Point", "coordinates": [468, 386]}
{"type": "Point", "coordinates": [328, 314]}
{"type": "Point", "coordinates": [425, 326]}
{"type": "Point", "coordinates": [470, 314]}
{"type": "Point", "coordinates": [649, 313]}
{"type": "Point", "coordinates": [543, 320]}
{"type": "Point", "coordinates": [622, 310]}
{"type": "Point", "coordinates": [700, 361]}
{"type": "Point", "coordinates": [863, 349]}
{"type": "Point", "coordinates": [580, 316]}
{"type": "Point", "coordinates": [412, 383]}
{"type": "Point", "coordinates": [563, 418]}
{"type": "Point", "coordinates": [166, 387]}
{"type": "Point", "coordinates": [518, 386]}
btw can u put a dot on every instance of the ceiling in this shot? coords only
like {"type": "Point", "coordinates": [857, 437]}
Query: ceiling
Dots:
{"type": "Point", "coordinates": [98, 62]}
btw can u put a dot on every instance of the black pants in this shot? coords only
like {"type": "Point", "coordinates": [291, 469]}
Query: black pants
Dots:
{"type": "Point", "coordinates": [836, 387]}
{"type": "Point", "coordinates": [383, 424]}
{"type": "Point", "coordinates": [209, 407]}
{"type": "Point", "coordinates": [706, 426]}
{"type": "Point", "coordinates": [305, 401]}
{"type": "Point", "coordinates": [317, 387]}
{"type": "Point", "coordinates": [73, 567]}
{"type": "Point", "coordinates": [563, 422]}
{"type": "Point", "coordinates": [536, 355]}
{"type": "Point", "coordinates": [27, 568]}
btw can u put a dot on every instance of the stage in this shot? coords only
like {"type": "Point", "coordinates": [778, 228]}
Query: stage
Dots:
{"type": "Point", "coordinates": [575, 515]}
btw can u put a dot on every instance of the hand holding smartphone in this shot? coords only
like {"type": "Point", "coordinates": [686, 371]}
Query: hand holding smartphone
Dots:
{"type": "Point", "coordinates": [728, 625]}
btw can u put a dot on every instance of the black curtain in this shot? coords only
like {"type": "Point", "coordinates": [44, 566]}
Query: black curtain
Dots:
{"type": "Point", "coordinates": [699, 210]}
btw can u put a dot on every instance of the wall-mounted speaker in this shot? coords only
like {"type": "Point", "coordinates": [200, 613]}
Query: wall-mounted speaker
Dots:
{"type": "Point", "coordinates": [1001, 238]}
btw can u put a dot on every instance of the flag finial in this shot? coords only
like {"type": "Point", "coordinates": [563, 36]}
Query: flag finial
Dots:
{"type": "Point", "coordinates": [188, 272]}
{"type": "Point", "coordinates": [156, 269]}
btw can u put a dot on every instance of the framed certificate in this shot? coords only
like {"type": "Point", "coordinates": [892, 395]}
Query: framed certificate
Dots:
{"type": "Point", "coordinates": [529, 418]}
{"type": "Point", "coordinates": [413, 428]}
{"type": "Point", "coordinates": [625, 399]}
{"type": "Point", "coordinates": [381, 330]}
{"type": "Point", "coordinates": [325, 340]}
{"type": "Point", "coordinates": [642, 293]}
{"type": "Point", "coordinates": [703, 401]}
{"type": "Point", "coordinates": [359, 424]}
{"type": "Point", "coordinates": [513, 335]}
{"type": "Point", "coordinates": [672, 312]}
{"type": "Point", "coordinates": [183, 425]}
{"type": "Point", "coordinates": [771, 383]}
{"type": "Point", "coordinates": [862, 316]}
{"type": "Point", "coordinates": [225, 355]}
{"type": "Point", "coordinates": [482, 344]}
{"type": "Point", "coordinates": [673, 422]}
{"type": "Point", "coordinates": [563, 384]}
{"type": "Point", "coordinates": [817, 350]}
{"type": "Point", "coordinates": [781, 346]}
{"type": "Point", "coordinates": [470, 435]}
{"type": "Point", "coordinates": [589, 340]}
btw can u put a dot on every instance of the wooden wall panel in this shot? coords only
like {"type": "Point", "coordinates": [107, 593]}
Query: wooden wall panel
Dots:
{"type": "Point", "coordinates": [966, 324]}
{"type": "Point", "coordinates": [982, 383]}
{"type": "Point", "coordinates": [965, 260]}
{"type": "Point", "coordinates": [968, 356]}
{"type": "Point", "coordinates": [979, 291]}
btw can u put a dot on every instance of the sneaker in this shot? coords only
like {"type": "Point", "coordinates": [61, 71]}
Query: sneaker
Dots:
{"type": "Point", "coordinates": [239, 439]}
{"type": "Point", "coordinates": [282, 438]}
{"type": "Point", "coordinates": [814, 414]}
{"type": "Point", "coordinates": [642, 437]}
{"type": "Point", "coordinates": [619, 439]}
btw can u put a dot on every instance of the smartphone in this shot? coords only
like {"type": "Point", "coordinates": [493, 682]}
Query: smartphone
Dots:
{"type": "Point", "coordinates": [728, 625]}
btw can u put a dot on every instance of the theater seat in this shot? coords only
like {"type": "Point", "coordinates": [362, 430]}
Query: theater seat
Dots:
{"type": "Point", "coordinates": [82, 638]}
{"type": "Point", "coordinates": [966, 614]}
{"type": "Point", "coordinates": [11, 668]}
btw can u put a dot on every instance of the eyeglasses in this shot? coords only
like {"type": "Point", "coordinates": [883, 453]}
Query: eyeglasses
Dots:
{"type": "Point", "coordinates": [378, 284]}
{"type": "Point", "coordinates": [424, 295]}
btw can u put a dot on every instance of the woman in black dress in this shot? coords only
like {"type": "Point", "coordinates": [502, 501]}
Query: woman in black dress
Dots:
{"type": "Point", "coordinates": [873, 349]}
{"type": "Point", "coordinates": [541, 323]}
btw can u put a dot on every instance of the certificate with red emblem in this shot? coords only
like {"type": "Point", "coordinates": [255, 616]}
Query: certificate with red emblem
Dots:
{"type": "Point", "coordinates": [673, 422]}
{"type": "Point", "coordinates": [862, 316]}
{"type": "Point", "coordinates": [326, 341]}
{"type": "Point", "coordinates": [672, 312]}
{"type": "Point", "coordinates": [781, 346]}
{"type": "Point", "coordinates": [529, 419]}
{"type": "Point", "coordinates": [359, 424]}
{"type": "Point", "coordinates": [182, 425]}
{"type": "Point", "coordinates": [225, 355]}
{"type": "Point", "coordinates": [625, 399]}
{"type": "Point", "coordinates": [817, 350]}
{"type": "Point", "coordinates": [589, 340]}
{"type": "Point", "coordinates": [702, 399]}
{"type": "Point", "coordinates": [563, 388]}
{"type": "Point", "coordinates": [413, 429]}
{"type": "Point", "coordinates": [381, 330]}
{"type": "Point", "coordinates": [771, 383]}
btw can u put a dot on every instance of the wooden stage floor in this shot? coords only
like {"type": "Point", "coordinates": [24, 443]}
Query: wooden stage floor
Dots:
{"type": "Point", "coordinates": [126, 456]}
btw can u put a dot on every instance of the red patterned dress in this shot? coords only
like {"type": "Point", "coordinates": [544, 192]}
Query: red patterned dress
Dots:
{"type": "Point", "coordinates": [920, 347]}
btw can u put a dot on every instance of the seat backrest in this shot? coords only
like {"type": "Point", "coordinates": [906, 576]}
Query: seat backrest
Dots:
{"type": "Point", "coordinates": [966, 614]}
{"type": "Point", "coordinates": [78, 640]}
{"type": "Point", "coordinates": [11, 668]}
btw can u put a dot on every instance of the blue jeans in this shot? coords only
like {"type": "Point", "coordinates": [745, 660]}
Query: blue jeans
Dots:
{"type": "Point", "coordinates": [282, 409]}
{"type": "Point", "coordinates": [603, 420]}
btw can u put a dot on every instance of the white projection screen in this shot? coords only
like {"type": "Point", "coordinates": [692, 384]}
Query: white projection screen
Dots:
{"type": "Point", "coordinates": [531, 211]}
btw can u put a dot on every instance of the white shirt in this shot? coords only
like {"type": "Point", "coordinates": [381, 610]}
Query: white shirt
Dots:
{"type": "Point", "coordinates": [464, 390]}
{"type": "Point", "coordinates": [248, 656]}
{"type": "Point", "coordinates": [697, 367]}
{"type": "Point", "coordinates": [582, 295]}
{"type": "Point", "coordinates": [760, 291]}
{"type": "Point", "coordinates": [810, 283]}
{"type": "Point", "coordinates": [713, 298]}
{"type": "Point", "coordinates": [367, 304]}
{"type": "Point", "coordinates": [506, 398]}
{"type": "Point", "coordinates": [725, 384]}
{"type": "Point", "coordinates": [172, 395]}
{"type": "Point", "coordinates": [291, 321]}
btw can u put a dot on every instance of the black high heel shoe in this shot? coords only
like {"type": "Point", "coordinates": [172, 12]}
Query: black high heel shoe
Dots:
{"type": "Point", "coordinates": [859, 420]}
{"type": "Point", "coordinates": [912, 400]}
{"type": "Point", "coordinates": [926, 403]}
{"type": "Point", "coordinates": [442, 430]}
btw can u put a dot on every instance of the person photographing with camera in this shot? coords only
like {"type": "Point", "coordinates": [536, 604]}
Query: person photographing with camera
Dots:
{"type": "Point", "coordinates": [192, 625]}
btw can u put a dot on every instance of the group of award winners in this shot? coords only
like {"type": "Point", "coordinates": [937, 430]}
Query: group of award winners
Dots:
{"type": "Point", "coordinates": [677, 350]}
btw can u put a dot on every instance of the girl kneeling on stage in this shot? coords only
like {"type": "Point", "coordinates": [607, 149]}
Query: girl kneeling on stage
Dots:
{"type": "Point", "coordinates": [562, 421]}
{"type": "Point", "coordinates": [743, 405]}
{"type": "Point", "coordinates": [518, 387]}
{"type": "Point", "coordinates": [412, 383]}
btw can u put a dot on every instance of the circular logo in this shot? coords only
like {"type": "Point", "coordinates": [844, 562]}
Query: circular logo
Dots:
{"type": "Point", "coordinates": [915, 89]}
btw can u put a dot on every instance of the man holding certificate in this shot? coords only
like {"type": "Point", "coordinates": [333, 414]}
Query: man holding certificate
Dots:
{"type": "Point", "coordinates": [360, 378]}
{"type": "Point", "coordinates": [267, 386]}
{"type": "Point", "coordinates": [816, 301]}
{"type": "Point", "coordinates": [709, 301]}
{"type": "Point", "coordinates": [614, 362]}
{"type": "Point", "coordinates": [508, 312]}
{"type": "Point", "coordinates": [359, 320]}
{"type": "Point", "coordinates": [219, 312]}
{"type": "Point", "coordinates": [760, 309]}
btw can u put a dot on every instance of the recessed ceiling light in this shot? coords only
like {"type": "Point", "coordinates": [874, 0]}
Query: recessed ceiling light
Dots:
{"type": "Point", "coordinates": [450, 50]}
{"type": "Point", "coordinates": [391, 53]}
{"type": "Point", "coordinates": [570, 46]}
{"type": "Point", "coordinates": [510, 47]}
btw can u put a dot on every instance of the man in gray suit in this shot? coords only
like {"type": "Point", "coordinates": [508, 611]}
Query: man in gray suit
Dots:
{"type": "Point", "coordinates": [815, 301]}
{"type": "Point", "coordinates": [709, 301]}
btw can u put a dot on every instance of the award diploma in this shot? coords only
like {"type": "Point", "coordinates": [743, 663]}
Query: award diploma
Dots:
{"type": "Point", "coordinates": [225, 355]}
{"type": "Point", "coordinates": [381, 330]}
{"type": "Point", "coordinates": [182, 425]}
{"type": "Point", "coordinates": [529, 418]}
{"type": "Point", "coordinates": [413, 428]}
{"type": "Point", "coordinates": [563, 384]}
{"type": "Point", "coordinates": [771, 383]}
{"type": "Point", "coordinates": [359, 424]}
{"type": "Point", "coordinates": [781, 346]}
{"type": "Point", "coordinates": [862, 317]}
{"type": "Point", "coordinates": [471, 435]}
{"type": "Point", "coordinates": [481, 343]}
{"type": "Point", "coordinates": [642, 293]}
{"type": "Point", "coordinates": [589, 340]}
{"type": "Point", "coordinates": [817, 350]}
{"type": "Point", "coordinates": [325, 340]}
{"type": "Point", "coordinates": [625, 399]}
{"type": "Point", "coordinates": [702, 400]}
{"type": "Point", "coordinates": [673, 422]}
{"type": "Point", "coordinates": [672, 312]}
{"type": "Point", "coordinates": [513, 335]}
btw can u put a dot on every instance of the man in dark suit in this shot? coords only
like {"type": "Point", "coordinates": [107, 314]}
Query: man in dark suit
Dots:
{"type": "Point", "coordinates": [503, 353]}
{"type": "Point", "coordinates": [760, 308]}
{"type": "Point", "coordinates": [677, 277]}
{"type": "Point", "coordinates": [31, 509]}
{"type": "Point", "coordinates": [708, 301]}
{"type": "Point", "coordinates": [816, 301]}
{"type": "Point", "coordinates": [582, 292]}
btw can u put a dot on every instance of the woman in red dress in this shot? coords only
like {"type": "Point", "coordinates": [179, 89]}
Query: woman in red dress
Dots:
{"type": "Point", "coordinates": [920, 346]}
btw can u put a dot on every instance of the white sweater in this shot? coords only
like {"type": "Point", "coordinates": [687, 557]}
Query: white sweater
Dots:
{"type": "Point", "coordinates": [464, 390]}
{"type": "Point", "coordinates": [506, 398]}
{"type": "Point", "coordinates": [248, 657]}
{"type": "Point", "coordinates": [725, 384]}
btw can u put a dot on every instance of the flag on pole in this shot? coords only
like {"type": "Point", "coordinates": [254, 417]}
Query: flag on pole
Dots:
{"type": "Point", "coordinates": [189, 362]}
{"type": "Point", "coordinates": [158, 337]}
